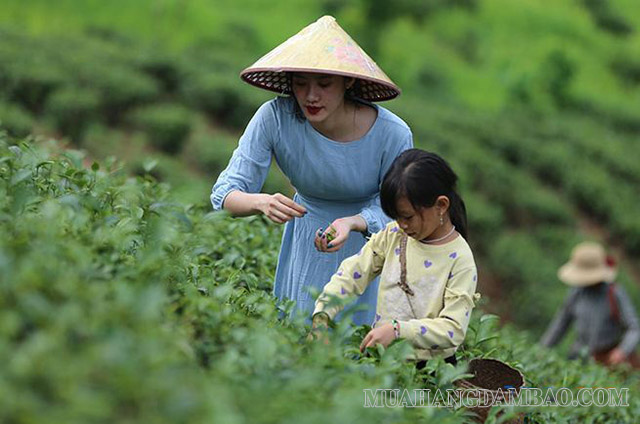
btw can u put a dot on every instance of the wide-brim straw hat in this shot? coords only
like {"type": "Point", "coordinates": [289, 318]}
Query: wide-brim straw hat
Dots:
{"type": "Point", "coordinates": [322, 47]}
{"type": "Point", "coordinates": [588, 266]}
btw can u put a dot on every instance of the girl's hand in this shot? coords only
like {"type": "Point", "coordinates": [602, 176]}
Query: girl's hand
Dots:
{"type": "Point", "coordinates": [334, 237]}
{"type": "Point", "coordinates": [319, 328]}
{"type": "Point", "coordinates": [382, 335]}
{"type": "Point", "coordinates": [279, 208]}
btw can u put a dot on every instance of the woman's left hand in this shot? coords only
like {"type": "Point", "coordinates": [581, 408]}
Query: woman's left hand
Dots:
{"type": "Point", "coordinates": [336, 234]}
{"type": "Point", "coordinates": [382, 335]}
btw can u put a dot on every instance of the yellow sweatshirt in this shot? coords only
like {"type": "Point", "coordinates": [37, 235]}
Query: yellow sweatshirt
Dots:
{"type": "Point", "coordinates": [442, 277]}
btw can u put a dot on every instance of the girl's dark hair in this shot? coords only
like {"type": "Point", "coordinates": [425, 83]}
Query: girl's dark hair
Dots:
{"type": "Point", "coordinates": [421, 177]}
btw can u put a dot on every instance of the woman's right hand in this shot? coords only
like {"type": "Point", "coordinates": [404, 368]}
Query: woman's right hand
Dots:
{"type": "Point", "coordinates": [279, 208]}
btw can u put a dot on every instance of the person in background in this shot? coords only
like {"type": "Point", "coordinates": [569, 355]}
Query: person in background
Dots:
{"type": "Point", "coordinates": [605, 320]}
{"type": "Point", "coordinates": [428, 276]}
{"type": "Point", "coordinates": [332, 142]}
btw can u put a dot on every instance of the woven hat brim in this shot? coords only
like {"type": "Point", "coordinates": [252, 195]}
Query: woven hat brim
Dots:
{"type": "Point", "coordinates": [369, 89]}
{"type": "Point", "coordinates": [574, 276]}
{"type": "Point", "coordinates": [321, 47]}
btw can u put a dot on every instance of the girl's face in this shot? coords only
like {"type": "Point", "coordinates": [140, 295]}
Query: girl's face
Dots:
{"type": "Point", "coordinates": [320, 96]}
{"type": "Point", "coordinates": [423, 223]}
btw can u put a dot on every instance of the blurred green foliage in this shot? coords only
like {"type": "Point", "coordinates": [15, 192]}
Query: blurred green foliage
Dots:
{"type": "Point", "coordinates": [15, 119]}
{"type": "Point", "coordinates": [167, 125]}
{"type": "Point", "coordinates": [536, 107]}
{"type": "Point", "coordinates": [119, 303]}
{"type": "Point", "coordinates": [536, 104]}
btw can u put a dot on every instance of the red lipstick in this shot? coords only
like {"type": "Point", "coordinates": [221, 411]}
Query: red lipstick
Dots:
{"type": "Point", "coordinates": [312, 110]}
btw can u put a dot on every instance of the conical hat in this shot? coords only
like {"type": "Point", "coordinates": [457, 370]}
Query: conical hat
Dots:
{"type": "Point", "coordinates": [322, 47]}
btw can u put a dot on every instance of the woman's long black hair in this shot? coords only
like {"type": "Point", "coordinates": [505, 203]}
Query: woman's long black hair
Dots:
{"type": "Point", "coordinates": [421, 177]}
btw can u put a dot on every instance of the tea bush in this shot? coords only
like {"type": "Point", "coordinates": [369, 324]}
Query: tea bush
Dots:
{"type": "Point", "coordinates": [72, 109]}
{"type": "Point", "coordinates": [17, 121]}
{"type": "Point", "coordinates": [166, 125]}
{"type": "Point", "coordinates": [220, 96]}
{"type": "Point", "coordinates": [118, 303]}
{"type": "Point", "coordinates": [535, 106]}
{"type": "Point", "coordinates": [130, 292]}
{"type": "Point", "coordinates": [209, 151]}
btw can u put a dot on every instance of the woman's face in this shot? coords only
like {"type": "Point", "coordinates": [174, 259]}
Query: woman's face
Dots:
{"type": "Point", "coordinates": [320, 96]}
{"type": "Point", "coordinates": [420, 223]}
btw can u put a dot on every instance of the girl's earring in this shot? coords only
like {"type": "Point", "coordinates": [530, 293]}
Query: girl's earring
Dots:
{"type": "Point", "coordinates": [441, 221]}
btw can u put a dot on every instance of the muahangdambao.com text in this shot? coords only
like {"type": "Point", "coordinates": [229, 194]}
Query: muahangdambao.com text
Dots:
{"type": "Point", "coordinates": [469, 398]}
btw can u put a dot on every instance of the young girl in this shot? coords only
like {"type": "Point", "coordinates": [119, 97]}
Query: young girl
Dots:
{"type": "Point", "coordinates": [427, 272]}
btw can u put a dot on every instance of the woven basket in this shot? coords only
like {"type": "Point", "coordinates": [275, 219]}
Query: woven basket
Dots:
{"type": "Point", "coordinates": [491, 375]}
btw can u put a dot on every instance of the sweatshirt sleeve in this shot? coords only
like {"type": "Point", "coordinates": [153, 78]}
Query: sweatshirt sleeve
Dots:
{"type": "Point", "coordinates": [560, 323]}
{"type": "Point", "coordinates": [373, 215]}
{"type": "Point", "coordinates": [250, 162]}
{"type": "Point", "coordinates": [353, 276]}
{"type": "Point", "coordinates": [629, 320]}
{"type": "Point", "coordinates": [448, 329]}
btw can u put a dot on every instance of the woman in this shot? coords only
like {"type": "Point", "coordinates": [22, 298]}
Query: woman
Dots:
{"type": "Point", "coordinates": [333, 145]}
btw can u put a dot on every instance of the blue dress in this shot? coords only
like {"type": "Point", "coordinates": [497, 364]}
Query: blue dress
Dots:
{"type": "Point", "coordinates": [332, 180]}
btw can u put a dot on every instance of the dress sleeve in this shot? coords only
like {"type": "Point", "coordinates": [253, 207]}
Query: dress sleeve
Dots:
{"type": "Point", "coordinates": [560, 323]}
{"type": "Point", "coordinates": [353, 276]}
{"type": "Point", "coordinates": [249, 164]}
{"type": "Point", "coordinates": [629, 320]}
{"type": "Point", "coordinates": [448, 329]}
{"type": "Point", "coordinates": [373, 214]}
